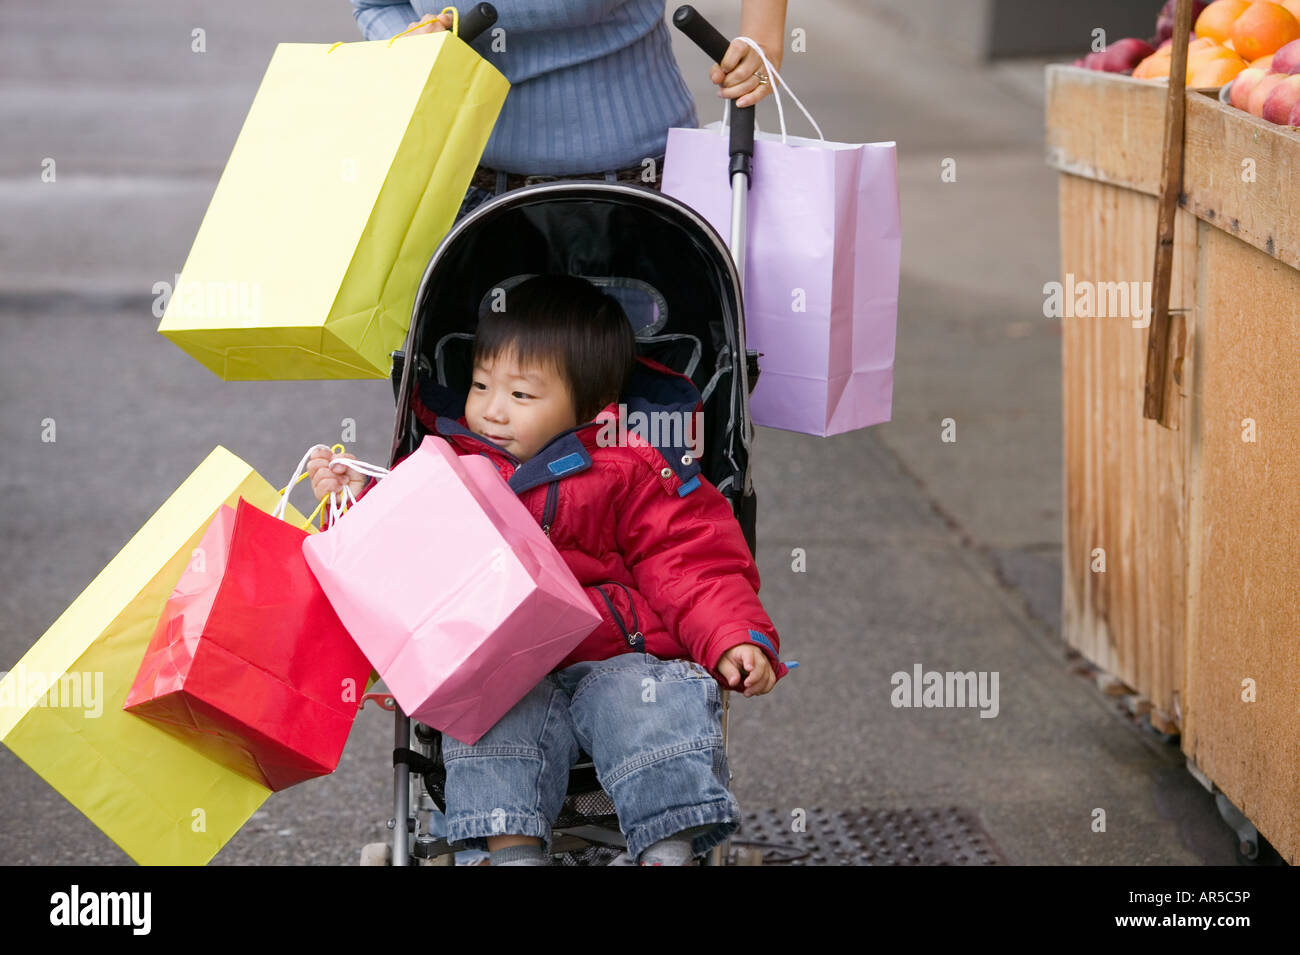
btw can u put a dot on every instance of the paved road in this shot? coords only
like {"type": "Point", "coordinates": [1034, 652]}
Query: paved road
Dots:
{"type": "Point", "coordinates": [918, 551]}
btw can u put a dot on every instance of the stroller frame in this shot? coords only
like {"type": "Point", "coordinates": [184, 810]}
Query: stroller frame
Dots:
{"type": "Point", "coordinates": [416, 771]}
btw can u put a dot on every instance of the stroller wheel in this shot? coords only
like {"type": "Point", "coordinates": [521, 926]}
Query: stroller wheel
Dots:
{"type": "Point", "coordinates": [377, 853]}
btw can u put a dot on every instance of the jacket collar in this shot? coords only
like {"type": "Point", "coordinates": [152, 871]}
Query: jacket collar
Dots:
{"type": "Point", "coordinates": [563, 455]}
{"type": "Point", "coordinates": [637, 422]}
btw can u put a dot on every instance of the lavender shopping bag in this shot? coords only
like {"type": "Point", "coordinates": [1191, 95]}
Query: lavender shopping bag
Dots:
{"type": "Point", "coordinates": [451, 589]}
{"type": "Point", "coordinates": [822, 267]}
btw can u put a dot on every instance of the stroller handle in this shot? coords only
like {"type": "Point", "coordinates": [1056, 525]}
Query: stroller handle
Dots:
{"type": "Point", "coordinates": [476, 20]}
{"type": "Point", "coordinates": [689, 20]}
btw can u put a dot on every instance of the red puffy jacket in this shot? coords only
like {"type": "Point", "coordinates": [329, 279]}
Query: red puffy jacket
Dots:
{"type": "Point", "coordinates": [654, 544]}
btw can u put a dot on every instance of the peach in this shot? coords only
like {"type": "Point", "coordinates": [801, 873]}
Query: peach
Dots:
{"type": "Point", "coordinates": [1294, 118]}
{"type": "Point", "coordinates": [1282, 101]}
{"type": "Point", "coordinates": [1255, 104]}
{"type": "Point", "coordinates": [1264, 63]}
{"type": "Point", "coordinates": [1287, 59]}
{"type": "Point", "coordinates": [1243, 85]}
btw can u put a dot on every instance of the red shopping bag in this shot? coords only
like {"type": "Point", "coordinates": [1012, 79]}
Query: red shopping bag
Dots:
{"type": "Point", "coordinates": [249, 662]}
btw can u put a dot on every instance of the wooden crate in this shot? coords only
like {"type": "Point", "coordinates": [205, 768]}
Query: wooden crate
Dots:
{"type": "Point", "coordinates": [1199, 604]}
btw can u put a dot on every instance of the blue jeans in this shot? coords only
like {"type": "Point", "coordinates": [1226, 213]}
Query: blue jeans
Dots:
{"type": "Point", "coordinates": [653, 729]}
{"type": "Point", "coordinates": [474, 197]}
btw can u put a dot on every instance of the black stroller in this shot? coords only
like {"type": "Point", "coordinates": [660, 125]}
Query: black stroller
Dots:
{"type": "Point", "coordinates": [681, 289]}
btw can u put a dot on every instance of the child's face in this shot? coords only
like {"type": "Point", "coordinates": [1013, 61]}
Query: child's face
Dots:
{"type": "Point", "coordinates": [516, 408]}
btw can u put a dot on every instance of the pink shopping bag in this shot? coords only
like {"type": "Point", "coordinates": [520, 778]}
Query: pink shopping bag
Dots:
{"type": "Point", "coordinates": [451, 590]}
{"type": "Point", "coordinates": [822, 268]}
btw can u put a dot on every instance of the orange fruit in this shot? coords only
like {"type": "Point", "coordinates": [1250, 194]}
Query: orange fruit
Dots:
{"type": "Point", "coordinates": [1264, 28]}
{"type": "Point", "coordinates": [1213, 52]}
{"type": "Point", "coordinates": [1153, 67]}
{"type": "Point", "coordinates": [1214, 73]}
{"type": "Point", "coordinates": [1207, 62]}
{"type": "Point", "coordinates": [1217, 19]}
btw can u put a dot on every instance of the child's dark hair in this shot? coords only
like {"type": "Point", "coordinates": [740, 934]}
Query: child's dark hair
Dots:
{"type": "Point", "coordinates": [566, 322]}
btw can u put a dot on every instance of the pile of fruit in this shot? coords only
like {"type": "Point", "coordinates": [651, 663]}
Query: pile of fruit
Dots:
{"type": "Point", "coordinates": [1272, 91]}
{"type": "Point", "coordinates": [1230, 37]}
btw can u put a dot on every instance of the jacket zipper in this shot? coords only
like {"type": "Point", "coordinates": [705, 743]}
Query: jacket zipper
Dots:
{"type": "Point", "coordinates": [552, 501]}
{"type": "Point", "coordinates": [634, 640]}
{"type": "Point", "coordinates": [636, 624]}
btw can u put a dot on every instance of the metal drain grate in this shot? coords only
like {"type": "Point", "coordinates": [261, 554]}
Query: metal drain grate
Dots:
{"type": "Point", "coordinates": [948, 836]}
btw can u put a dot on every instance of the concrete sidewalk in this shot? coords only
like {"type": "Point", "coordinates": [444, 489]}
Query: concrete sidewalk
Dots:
{"type": "Point", "coordinates": [918, 551]}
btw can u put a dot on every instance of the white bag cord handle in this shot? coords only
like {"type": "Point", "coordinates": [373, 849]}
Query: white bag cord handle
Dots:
{"type": "Point", "coordinates": [342, 499]}
{"type": "Point", "coordinates": [339, 501]}
{"type": "Point", "coordinates": [298, 472]}
{"type": "Point", "coordinates": [777, 83]}
{"type": "Point", "coordinates": [374, 470]}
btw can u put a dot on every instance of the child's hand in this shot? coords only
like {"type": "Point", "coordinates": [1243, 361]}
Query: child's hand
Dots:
{"type": "Point", "coordinates": [433, 23]}
{"type": "Point", "coordinates": [746, 656]}
{"type": "Point", "coordinates": [326, 480]}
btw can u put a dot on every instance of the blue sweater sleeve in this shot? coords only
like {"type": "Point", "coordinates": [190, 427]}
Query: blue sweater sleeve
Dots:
{"type": "Point", "coordinates": [382, 19]}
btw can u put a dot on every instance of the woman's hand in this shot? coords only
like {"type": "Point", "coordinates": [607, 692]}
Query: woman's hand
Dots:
{"type": "Point", "coordinates": [737, 74]}
{"type": "Point", "coordinates": [433, 23]}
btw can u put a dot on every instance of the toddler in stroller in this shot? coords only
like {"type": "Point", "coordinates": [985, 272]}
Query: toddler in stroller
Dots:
{"type": "Point", "coordinates": [663, 559]}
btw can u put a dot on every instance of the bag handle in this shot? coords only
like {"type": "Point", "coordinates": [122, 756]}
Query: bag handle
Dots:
{"type": "Point", "coordinates": [341, 500]}
{"type": "Point", "coordinates": [455, 28]}
{"type": "Point", "coordinates": [299, 473]}
{"type": "Point", "coordinates": [338, 501]}
{"type": "Point", "coordinates": [455, 24]}
{"type": "Point", "coordinates": [777, 82]}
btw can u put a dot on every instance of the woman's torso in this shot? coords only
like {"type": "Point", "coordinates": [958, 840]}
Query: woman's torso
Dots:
{"type": "Point", "coordinates": [594, 84]}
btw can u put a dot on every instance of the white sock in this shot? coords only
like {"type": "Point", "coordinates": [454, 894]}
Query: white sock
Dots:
{"type": "Point", "coordinates": [675, 850]}
{"type": "Point", "coordinates": [519, 855]}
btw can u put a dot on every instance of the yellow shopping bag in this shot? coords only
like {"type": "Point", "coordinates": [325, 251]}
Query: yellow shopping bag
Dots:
{"type": "Point", "coordinates": [61, 705]}
{"type": "Point", "coordinates": [351, 166]}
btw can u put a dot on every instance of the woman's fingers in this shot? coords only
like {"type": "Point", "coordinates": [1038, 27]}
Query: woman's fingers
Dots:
{"type": "Point", "coordinates": [738, 79]}
{"type": "Point", "coordinates": [433, 23]}
{"type": "Point", "coordinates": [736, 53]}
{"type": "Point", "coordinates": [740, 63]}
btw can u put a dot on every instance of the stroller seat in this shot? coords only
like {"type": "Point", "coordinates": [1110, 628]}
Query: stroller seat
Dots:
{"type": "Point", "coordinates": [678, 284]}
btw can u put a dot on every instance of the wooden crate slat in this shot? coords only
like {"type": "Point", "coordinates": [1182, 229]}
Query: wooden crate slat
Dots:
{"type": "Point", "coordinates": [1105, 127]}
{"type": "Point", "coordinates": [1263, 213]}
{"type": "Point", "coordinates": [1126, 486]}
{"type": "Point", "coordinates": [1109, 128]}
{"type": "Point", "coordinates": [1245, 562]}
